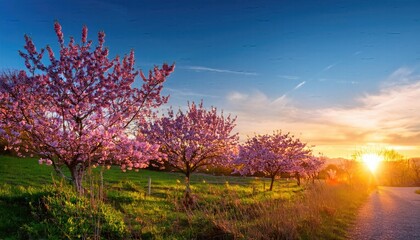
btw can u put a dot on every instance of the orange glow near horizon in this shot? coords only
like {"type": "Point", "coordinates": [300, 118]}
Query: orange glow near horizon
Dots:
{"type": "Point", "coordinates": [372, 161]}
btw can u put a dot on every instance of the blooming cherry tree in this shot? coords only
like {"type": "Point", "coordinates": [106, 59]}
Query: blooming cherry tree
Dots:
{"type": "Point", "coordinates": [194, 139]}
{"type": "Point", "coordinates": [299, 157]}
{"type": "Point", "coordinates": [80, 109]}
{"type": "Point", "coordinates": [313, 165]}
{"type": "Point", "coordinates": [271, 155]}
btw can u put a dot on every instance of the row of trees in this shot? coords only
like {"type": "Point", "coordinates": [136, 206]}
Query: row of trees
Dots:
{"type": "Point", "coordinates": [393, 170]}
{"type": "Point", "coordinates": [397, 170]}
{"type": "Point", "coordinates": [81, 110]}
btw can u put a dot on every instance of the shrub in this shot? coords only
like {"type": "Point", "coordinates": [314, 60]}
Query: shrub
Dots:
{"type": "Point", "coordinates": [63, 214]}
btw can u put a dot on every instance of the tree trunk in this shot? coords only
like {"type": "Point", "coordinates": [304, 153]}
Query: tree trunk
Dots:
{"type": "Point", "coordinates": [77, 172]}
{"type": "Point", "coordinates": [272, 183]}
{"type": "Point", "coordinates": [297, 175]}
{"type": "Point", "coordinates": [417, 176]}
{"type": "Point", "coordinates": [188, 199]}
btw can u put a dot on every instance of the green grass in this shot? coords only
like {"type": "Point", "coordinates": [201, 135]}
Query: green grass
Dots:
{"type": "Point", "coordinates": [225, 205]}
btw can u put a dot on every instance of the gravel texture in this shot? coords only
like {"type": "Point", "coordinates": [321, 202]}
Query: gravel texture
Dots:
{"type": "Point", "coordinates": [390, 213]}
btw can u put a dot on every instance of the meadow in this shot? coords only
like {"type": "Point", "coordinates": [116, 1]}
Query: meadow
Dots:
{"type": "Point", "coordinates": [226, 207]}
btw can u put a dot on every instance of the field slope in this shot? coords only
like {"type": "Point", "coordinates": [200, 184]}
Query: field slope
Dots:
{"type": "Point", "coordinates": [227, 207]}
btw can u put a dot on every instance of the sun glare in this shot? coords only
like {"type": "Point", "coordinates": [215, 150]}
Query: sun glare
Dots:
{"type": "Point", "coordinates": [371, 160]}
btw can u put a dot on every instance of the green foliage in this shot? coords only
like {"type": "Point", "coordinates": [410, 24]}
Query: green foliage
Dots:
{"type": "Point", "coordinates": [24, 172]}
{"type": "Point", "coordinates": [226, 207]}
{"type": "Point", "coordinates": [320, 212]}
{"type": "Point", "coordinates": [14, 207]}
{"type": "Point", "coordinates": [63, 214]}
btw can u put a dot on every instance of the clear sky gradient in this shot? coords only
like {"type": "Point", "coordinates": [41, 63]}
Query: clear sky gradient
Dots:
{"type": "Point", "coordinates": [339, 74]}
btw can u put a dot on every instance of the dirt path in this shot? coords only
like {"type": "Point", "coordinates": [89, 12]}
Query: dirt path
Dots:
{"type": "Point", "coordinates": [390, 213]}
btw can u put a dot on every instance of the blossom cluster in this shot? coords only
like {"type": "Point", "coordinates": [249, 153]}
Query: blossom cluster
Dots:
{"type": "Point", "coordinates": [195, 138]}
{"type": "Point", "coordinates": [46, 161]}
{"type": "Point", "coordinates": [79, 108]}
{"type": "Point", "coordinates": [275, 154]}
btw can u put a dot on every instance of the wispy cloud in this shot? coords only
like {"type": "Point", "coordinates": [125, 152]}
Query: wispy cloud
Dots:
{"type": "Point", "coordinates": [208, 69]}
{"type": "Point", "coordinates": [347, 82]}
{"type": "Point", "coordinates": [187, 93]}
{"type": "Point", "coordinates": [388, 117]}
{"type": "Point", "coordinates": [236, 96]}
{"type": "Point", "coordinates": [299, 85]}
{"type": "Point", "coordinates": [402, 75]}
{"type": "Point", "coordinates": [256, 104]}
{"type": "Point", "coordinates": [389, 113]}
{"type": "Point", "coordinates": [337, 81]}
{"type": "Point", "coordinates": [282, 99]}
{"type": "Point", "coordinates": [329, 67]}
{"type": "Point", "coordinates": [289, 77]}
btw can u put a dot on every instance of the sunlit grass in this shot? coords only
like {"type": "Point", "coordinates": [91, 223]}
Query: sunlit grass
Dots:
{"type": "Point", "coordinates": [151, 214]}
{"type": "Point", "coordinates": [232, 207]}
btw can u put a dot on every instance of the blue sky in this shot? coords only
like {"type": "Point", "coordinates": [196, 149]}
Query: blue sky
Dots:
{"type": "Point", "coordinates": [339, 74]}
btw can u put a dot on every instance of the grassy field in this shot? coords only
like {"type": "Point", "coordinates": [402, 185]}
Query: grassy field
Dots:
{"type": "Point", "coordinates": [226, 207]}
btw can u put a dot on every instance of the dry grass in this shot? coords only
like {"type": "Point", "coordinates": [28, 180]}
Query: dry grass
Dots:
{"type": "Point", "coordinates": [319, 212]}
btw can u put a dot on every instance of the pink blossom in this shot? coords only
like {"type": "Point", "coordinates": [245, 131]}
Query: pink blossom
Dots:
{"type": "Point", "coordinates": [58, 32]}
{"type": "Point", "coordinates": [78, 110]}
{"type": "Point", "coordinates": [30, 47]}
{"type": "Point", "coordinates": [194, 139]}
{"type": "Point", "coordinates": [101, 38]}
{"type": "Point", "coordinates": [272, 155]}
{"type": "Point", "coordinates": [84, 34]}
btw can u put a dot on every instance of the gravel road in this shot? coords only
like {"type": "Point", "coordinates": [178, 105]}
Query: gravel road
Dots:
{"type": "Point", "coordinates": [390, 213]}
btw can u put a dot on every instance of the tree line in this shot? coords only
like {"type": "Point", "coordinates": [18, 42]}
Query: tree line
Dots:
{"type": "Point", "coordinates": [79, 109]}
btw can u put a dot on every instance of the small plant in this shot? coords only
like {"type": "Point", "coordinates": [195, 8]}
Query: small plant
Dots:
{"type": "Point", "coordinates": [64, 214]}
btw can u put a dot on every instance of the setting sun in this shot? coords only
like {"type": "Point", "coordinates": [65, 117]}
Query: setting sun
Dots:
{"type": "Point", "coordinates": [371, 160]}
